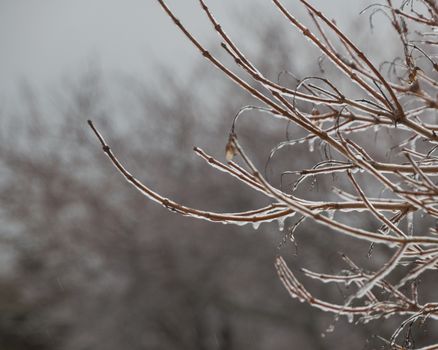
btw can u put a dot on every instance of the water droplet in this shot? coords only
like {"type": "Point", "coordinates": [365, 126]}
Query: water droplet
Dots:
{"type": "Point", "coordinates": [330, 329]}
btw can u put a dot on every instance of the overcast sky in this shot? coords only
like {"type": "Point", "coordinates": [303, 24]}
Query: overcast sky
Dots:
{"type": "Point", "coordinates": [44, 40]}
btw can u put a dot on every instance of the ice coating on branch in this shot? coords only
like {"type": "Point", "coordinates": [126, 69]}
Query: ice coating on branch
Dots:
{"type": "Point", "coordinates": [381, 274]}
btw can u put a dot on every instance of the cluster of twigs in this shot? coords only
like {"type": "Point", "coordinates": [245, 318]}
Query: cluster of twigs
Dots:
{"type": "Point", "coordinates": [404, 103]}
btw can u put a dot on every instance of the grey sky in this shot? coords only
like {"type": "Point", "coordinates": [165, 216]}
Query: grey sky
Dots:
{"type": "Point", "coordinates": [43, 40]}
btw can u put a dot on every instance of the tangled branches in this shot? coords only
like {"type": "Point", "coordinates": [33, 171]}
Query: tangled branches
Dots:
{"type": "Point", "coordinates": [402, 102]}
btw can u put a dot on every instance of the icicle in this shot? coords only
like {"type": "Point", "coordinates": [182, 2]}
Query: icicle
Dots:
{"type": "Point", "coordinates": [281, 223]}
{"type": "Point", "coordinates": [410, 220]}
{"type": "Point", "coordinates": [239, 223]}
{"type": "Point", "coordinates": [256, 225]}
{"type": "Point", "coordinates": [312, 144]}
